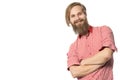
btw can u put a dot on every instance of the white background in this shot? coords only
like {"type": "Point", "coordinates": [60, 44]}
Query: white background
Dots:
{"type": "Point", "coordinates": [34, 38]}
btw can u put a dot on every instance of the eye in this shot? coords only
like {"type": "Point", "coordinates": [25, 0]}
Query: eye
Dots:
{"type": "Point", "coordinates": [72, 16]}
{"type": "Point", "coordinates": [80, 13]}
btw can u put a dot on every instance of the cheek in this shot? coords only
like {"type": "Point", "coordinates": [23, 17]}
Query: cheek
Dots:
{"type": "Point", "coordinates": [71, 21]}
{"type": "Point", "coordinates": [82, 17]}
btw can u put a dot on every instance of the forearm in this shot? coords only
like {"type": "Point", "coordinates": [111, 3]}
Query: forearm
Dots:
{"type": "Point", "coordinates": [80, 71]}
{"type": "Point", "coordinates": [100, 58]}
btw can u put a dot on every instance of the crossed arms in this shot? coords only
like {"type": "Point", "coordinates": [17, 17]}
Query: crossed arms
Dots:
{"type": "Point", "coordinates": [91, 64]}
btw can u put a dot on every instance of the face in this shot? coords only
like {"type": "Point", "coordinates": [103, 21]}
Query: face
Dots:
{"type": "Point", "coordinates": [78, 20]}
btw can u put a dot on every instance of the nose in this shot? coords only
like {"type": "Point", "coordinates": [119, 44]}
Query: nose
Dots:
{"type": "Point", "coordinates": [77, 17]}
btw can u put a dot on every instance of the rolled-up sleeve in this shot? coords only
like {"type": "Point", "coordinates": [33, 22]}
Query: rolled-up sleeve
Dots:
{"type": "Point", "coordinates": [72, 57]}
{"type": "Point", "coordinates": [108, 38]}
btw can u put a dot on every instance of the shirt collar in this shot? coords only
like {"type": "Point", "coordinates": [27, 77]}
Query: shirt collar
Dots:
{"type": "Point", "coordinates": [90, 29]}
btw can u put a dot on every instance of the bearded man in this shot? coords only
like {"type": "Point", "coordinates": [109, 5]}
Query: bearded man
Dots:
{"type": "Point", "coordinates": [90, 56]}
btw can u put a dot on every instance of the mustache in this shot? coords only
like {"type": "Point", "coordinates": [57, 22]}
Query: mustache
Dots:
{"type": "Point", "coordinates": [79, 20]}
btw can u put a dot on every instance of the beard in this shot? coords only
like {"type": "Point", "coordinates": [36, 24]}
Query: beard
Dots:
{"type": "Point", "coordinates": [81, 29]}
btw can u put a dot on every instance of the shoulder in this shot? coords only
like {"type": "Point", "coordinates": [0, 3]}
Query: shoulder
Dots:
{"type": "Point", "coordinates": [105, 28]}
{"type": "Point", "coordinates": [74, 43]}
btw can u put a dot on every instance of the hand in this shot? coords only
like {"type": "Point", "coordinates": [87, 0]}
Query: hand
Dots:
{"type": "Point", "coordinates": [82, 63]}
{"type": "Point", "coordinates": [74, 71]}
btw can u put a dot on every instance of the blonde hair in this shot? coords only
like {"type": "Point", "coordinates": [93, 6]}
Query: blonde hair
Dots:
{"type": "Point", "coordinates": [68, 9]}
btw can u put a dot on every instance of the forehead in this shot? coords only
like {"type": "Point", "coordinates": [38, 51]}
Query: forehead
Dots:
{"type": "Point", "coordinates": [76, 9]}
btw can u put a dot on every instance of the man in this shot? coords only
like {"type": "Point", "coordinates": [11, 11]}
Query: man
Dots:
{"type": "Point", "coordinates": [90, 57]}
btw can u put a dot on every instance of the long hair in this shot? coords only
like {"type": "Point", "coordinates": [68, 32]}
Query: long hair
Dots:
{"type": "Point", "coordinates": [68, 9]}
